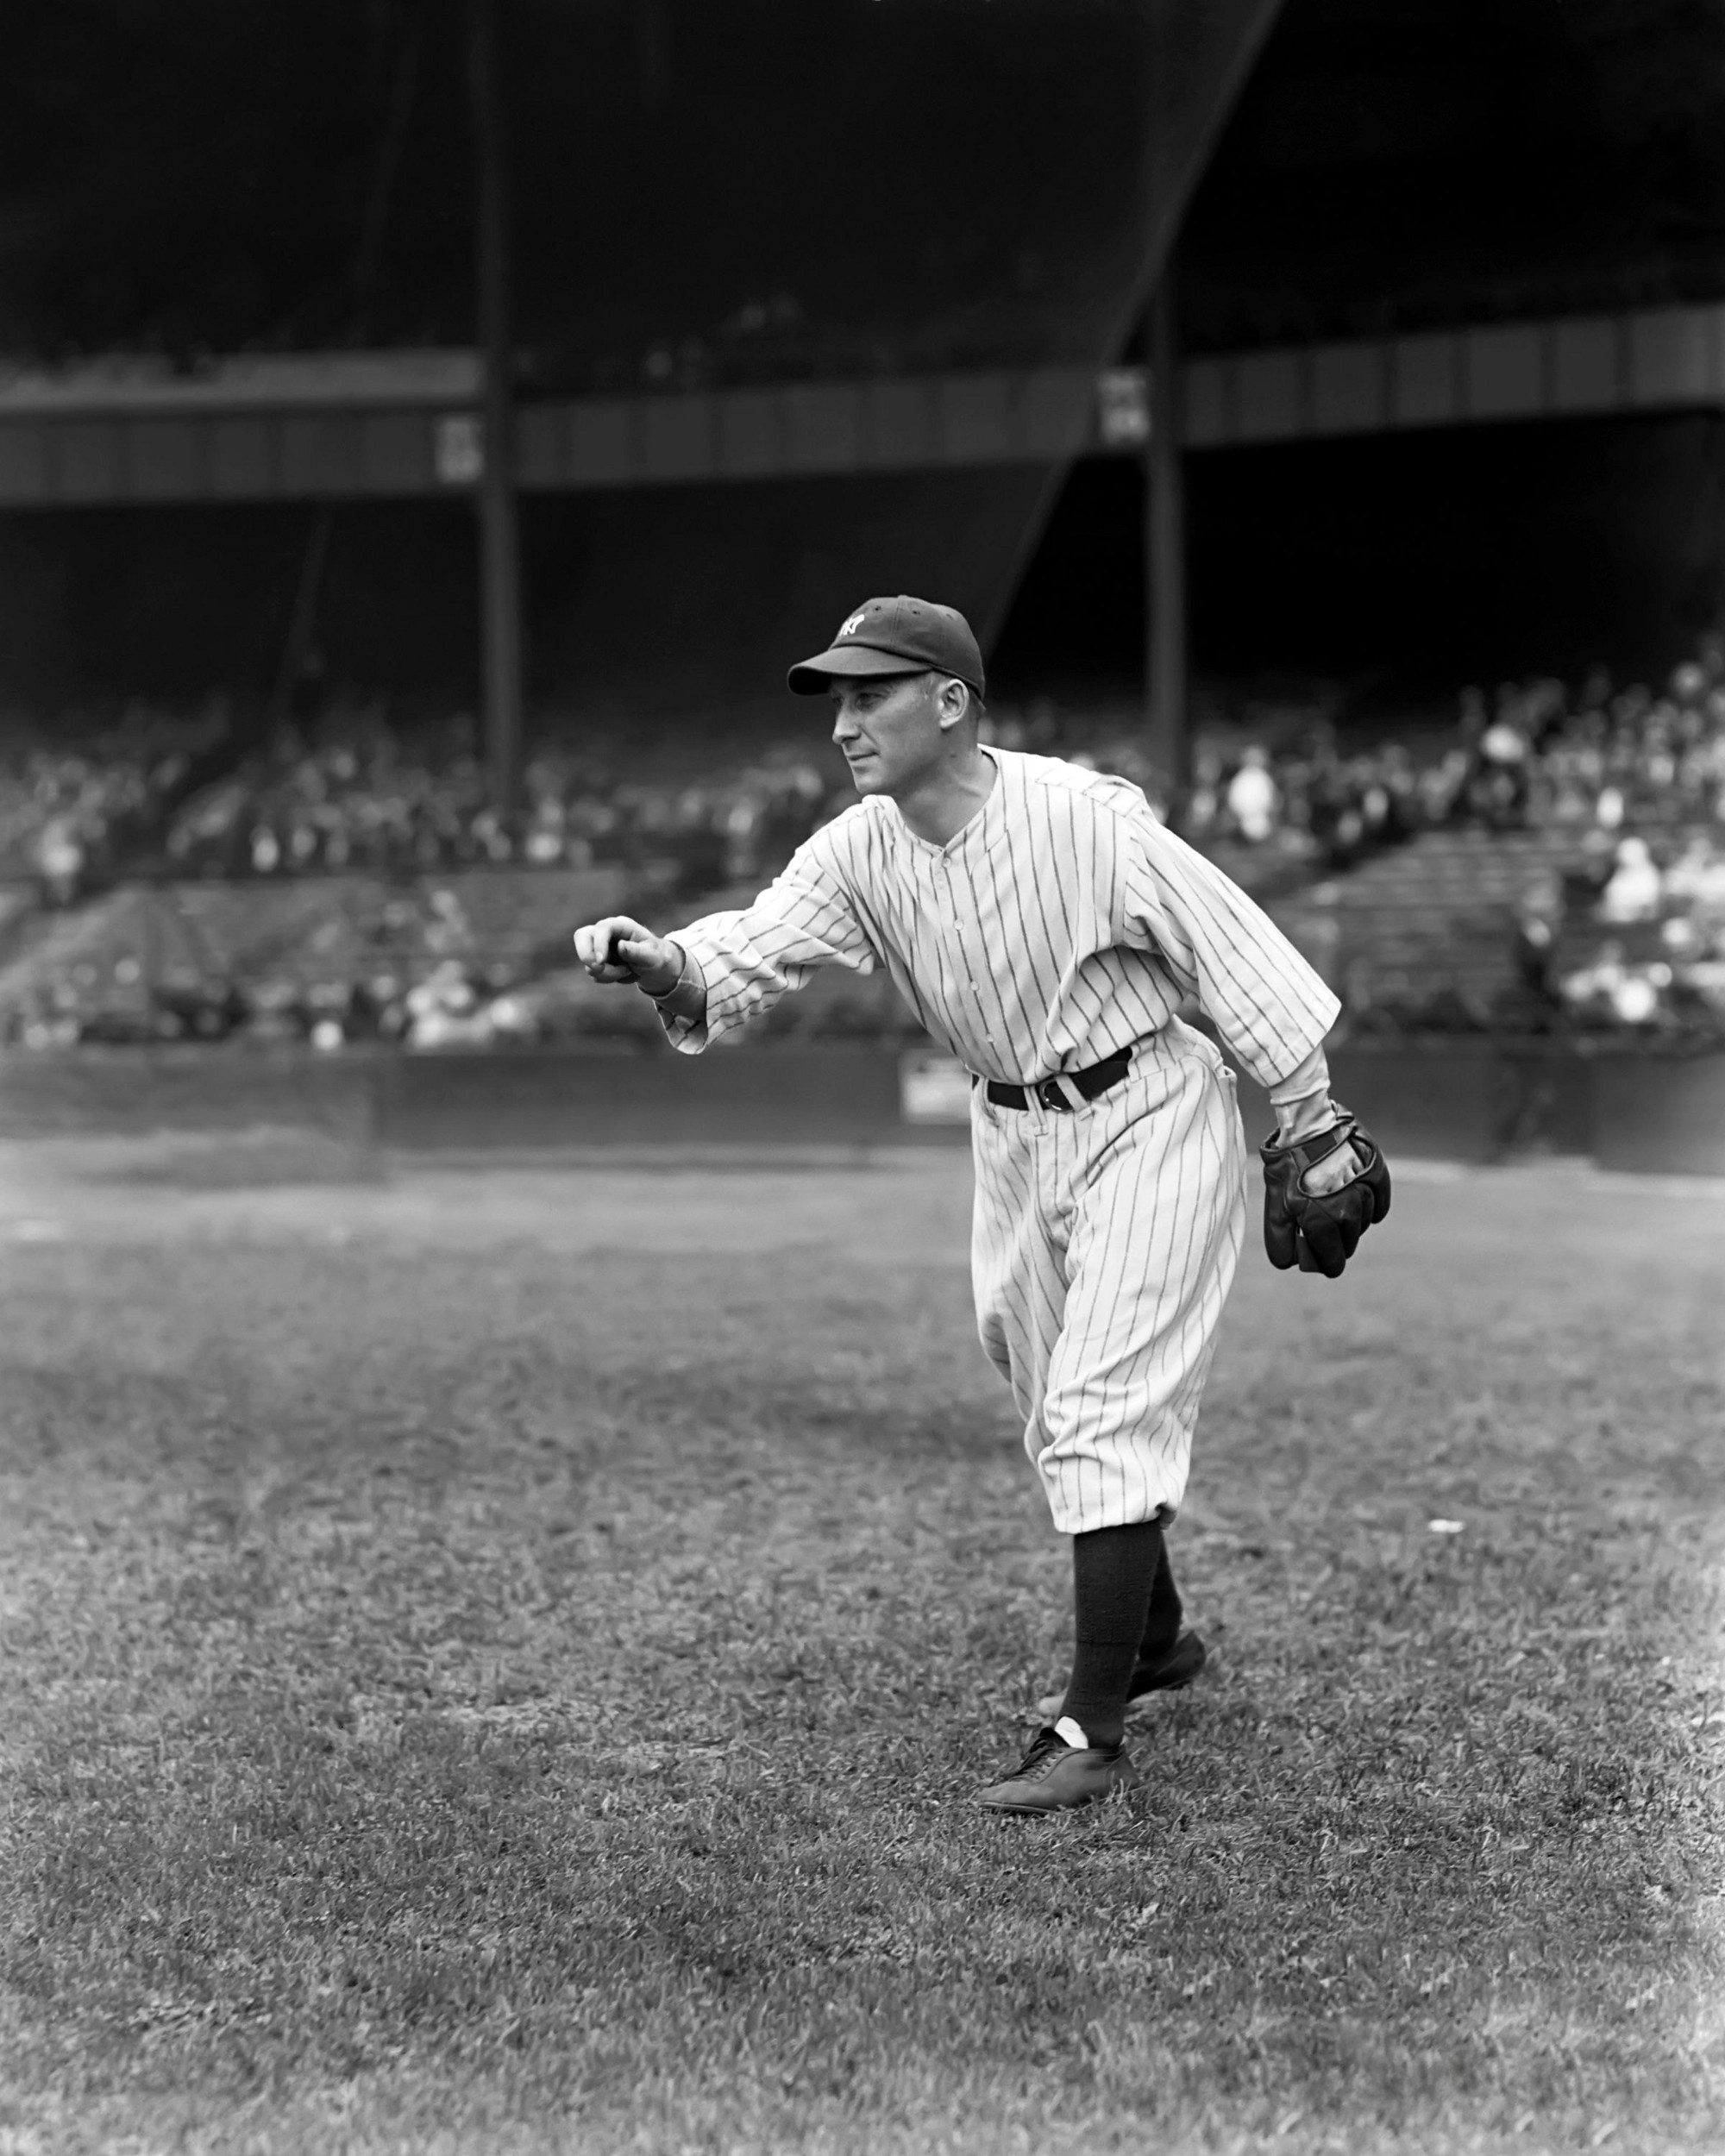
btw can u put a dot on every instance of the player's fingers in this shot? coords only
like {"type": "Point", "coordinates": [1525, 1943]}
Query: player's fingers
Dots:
{"type": "Point", "coordinates": [1280, 1239]}
{"type": "Point", "coordinates": [605, 931]}
{"type": "Point", "coordinates": [592, 941]}
{"type": "Point", "coordinates": [1332, 1241]}
{"type": "Point", "coordinates": [1338, 1226]}
{"type": "Point", "coordinates": [1332, 1172]}
{"type": "Point", "coordinates": [598, 947]}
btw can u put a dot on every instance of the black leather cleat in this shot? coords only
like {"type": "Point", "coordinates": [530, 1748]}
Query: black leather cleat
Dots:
{"type": "Point", "coordinates": [1056, 1776]}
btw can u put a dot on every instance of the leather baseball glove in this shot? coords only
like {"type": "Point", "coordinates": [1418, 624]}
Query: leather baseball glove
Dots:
{"type": "Point", "coordinates": [1307, 1223]}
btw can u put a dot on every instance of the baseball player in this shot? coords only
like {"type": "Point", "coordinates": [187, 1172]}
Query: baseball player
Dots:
{"type": "Point", "coordinates": [1047, 929]}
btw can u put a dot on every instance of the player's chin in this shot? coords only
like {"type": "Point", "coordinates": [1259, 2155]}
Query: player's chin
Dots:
{"type": "Point", "coordinates": [866, 774]}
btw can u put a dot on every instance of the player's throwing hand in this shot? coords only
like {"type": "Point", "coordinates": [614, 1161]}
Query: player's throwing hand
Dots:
{"type": "Point", "coordinates": [619, 950]}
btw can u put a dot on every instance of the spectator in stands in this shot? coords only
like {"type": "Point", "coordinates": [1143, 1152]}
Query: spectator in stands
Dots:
{"type": "Point", "coordinates": [1499, 790]}
{"type": "Point", "coordinates": [60, 860]}
{"type": "Point", "coordinates": [1636, 888]}
{"type": "Point", "coordinates": [1337, 808]}
{"type": "Point", "coordinates": [1533, 1002]}
{"type": "Point", "coordinates": [1254, 798]}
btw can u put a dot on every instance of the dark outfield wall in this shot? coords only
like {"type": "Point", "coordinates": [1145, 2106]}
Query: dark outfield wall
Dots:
{"type": "Point", "coordinates": [1492, 551]}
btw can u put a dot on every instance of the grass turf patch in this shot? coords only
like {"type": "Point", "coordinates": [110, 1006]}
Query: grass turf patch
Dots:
{"type": "Point", "coordinates": [465, 1697]}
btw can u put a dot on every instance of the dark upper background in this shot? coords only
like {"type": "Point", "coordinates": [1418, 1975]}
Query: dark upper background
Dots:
{"type": "Point", "coordinates": [774, 189]}
{"type": "Point", "coordinates": [193, 177]}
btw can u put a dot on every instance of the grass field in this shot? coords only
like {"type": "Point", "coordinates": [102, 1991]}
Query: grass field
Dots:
{"type": "Point", "coordinates": [500, 1663]}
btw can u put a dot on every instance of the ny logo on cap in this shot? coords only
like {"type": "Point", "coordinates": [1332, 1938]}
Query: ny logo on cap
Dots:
{"type": "Point", "coordinates": [850, 627]}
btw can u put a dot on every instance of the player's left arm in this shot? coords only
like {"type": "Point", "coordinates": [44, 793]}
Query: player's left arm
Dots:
{"type": "Point", "coordinates": [1325, 1177]}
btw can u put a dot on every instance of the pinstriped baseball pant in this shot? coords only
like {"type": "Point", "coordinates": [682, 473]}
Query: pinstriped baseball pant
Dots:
{"type": "Point", "coordinates": [1103, 1246]}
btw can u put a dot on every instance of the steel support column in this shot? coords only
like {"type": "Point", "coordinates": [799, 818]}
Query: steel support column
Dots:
{"type": "Point", "coordinates": [1167, 688]}
{"type": "Point", "coordinates": [499, 545]}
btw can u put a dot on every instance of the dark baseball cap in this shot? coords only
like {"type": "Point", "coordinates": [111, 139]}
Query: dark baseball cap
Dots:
{"type": "Point", "coordinates": [894, 636]}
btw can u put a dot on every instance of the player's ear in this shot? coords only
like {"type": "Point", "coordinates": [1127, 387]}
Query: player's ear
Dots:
{"type": "Point", "coordinates": [952, 701]}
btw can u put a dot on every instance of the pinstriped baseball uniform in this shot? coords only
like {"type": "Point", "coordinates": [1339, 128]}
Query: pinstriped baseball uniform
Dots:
{"type": "Point", "coordinates": [1062, 923]}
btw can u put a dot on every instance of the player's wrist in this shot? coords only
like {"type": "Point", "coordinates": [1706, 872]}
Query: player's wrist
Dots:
{"type": "Point", "coordinates": [1301, 1100]}
{"type": "Point", "coordinates": [664, 977]}
{"type": "Point", "coordinates": [1297, 1120]}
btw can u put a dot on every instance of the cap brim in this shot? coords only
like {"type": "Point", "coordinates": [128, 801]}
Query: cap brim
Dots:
{"type": "Point", "coordinates": [814, 675]}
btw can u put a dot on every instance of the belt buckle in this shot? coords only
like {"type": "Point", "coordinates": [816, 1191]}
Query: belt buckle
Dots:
{"type": "Point", "coordinates": [1048, 1093]}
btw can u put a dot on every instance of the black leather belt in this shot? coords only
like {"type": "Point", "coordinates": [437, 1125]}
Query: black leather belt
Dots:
{"type": "Point", "coordinates": [1097, 1079]}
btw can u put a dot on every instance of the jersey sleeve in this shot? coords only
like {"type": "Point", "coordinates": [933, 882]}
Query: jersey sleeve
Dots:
{"type": "Point", "coordinates": [1267, 1003]}
{"type": "Point", "coordinates": [806, 919]}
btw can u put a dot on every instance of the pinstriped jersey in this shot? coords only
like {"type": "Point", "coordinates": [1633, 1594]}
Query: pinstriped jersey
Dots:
{"type": "Point", "coordinates": [1062, 923]}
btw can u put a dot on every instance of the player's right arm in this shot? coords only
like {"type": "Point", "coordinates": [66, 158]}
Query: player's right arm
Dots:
{"type": "Point", "coordinates": [620, 949]}
{"type": "Point", "coordinates": [727, 969]}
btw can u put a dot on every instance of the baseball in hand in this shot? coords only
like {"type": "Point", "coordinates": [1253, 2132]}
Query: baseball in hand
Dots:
{"type": "Point", "coordinates": [619, 950]}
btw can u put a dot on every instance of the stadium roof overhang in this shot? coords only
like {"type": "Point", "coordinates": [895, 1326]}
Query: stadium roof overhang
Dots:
{"type": "Point", "coordinates": [356, 425]}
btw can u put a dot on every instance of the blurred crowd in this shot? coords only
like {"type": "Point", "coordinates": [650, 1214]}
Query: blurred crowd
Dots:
{"type": "Point", "coordinates": [73, 813]}
{"type": "Point", "coordinates": [1636, 775]}
{"type": "Point", "coordinates": [416, 966]}
{"type": "Point", "coordinates": [368, 800]}
{"type": "Point", "coordinates": [365, 799]}
{"type": "Point", "coordinates": [1645, 946]}
{"type": "Point", "coordinates": [1611, 760]}
{"type": "Point", "coordinates": [363, 795]}
{"type": "Point", "coordinates": [1531, 756]}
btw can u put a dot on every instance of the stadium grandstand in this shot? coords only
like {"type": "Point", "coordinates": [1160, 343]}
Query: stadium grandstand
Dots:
{"type": "Point", "coordinates": [1319, 407]}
